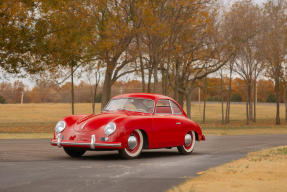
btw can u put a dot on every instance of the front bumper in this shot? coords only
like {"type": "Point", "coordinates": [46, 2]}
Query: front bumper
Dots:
{"type": "Point", "coordinates": [84, 144]}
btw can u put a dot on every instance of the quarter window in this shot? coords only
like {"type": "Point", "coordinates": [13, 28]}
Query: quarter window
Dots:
{"type": "Point", "coordinates": [175, 108]}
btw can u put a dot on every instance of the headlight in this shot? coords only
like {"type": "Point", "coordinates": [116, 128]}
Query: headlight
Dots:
{"type": "Point", "coordinates": [61, 125]}
{"type": "Point", "coordinates": [110, 128]}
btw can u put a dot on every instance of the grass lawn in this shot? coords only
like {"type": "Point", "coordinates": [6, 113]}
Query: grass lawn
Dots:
{"type": "Point", "coordinates": [261, 171]}
{"type": "Point", "coordinates": [19, 121]}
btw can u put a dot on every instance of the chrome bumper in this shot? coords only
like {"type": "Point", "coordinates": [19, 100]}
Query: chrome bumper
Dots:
{"type": "Point", "coordinates": [92, 144]}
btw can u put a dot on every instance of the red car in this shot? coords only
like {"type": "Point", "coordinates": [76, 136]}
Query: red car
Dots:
{"type": "Point", "coordinates": [129, 123]}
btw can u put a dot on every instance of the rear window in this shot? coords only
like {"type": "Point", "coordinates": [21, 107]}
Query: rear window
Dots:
{"type": "Point", "coordinates": [163, 107]}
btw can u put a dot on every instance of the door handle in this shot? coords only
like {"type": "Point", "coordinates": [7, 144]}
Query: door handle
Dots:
{"type": "Point", "coordinates": [178, 123]}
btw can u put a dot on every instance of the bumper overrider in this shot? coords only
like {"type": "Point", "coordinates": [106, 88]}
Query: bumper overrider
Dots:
{"type": "Point", "coordinates": [92, 144]}
{"type": "Point", "coordinates": [203, 138]}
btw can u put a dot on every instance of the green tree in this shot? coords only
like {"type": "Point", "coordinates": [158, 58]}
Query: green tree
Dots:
{"type": "Point", "coordinates": [2, 100]}
{"type": "Point", "coordinates": [271, 98]}
{"type": "Point", "coordinates": [236, 97]}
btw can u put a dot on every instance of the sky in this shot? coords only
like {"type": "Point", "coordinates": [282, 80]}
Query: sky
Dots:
{"type": "Point", "coordinates": [228, 2]}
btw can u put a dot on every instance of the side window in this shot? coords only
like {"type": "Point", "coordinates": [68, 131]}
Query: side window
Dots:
{"type": "Point", "coordinates": [163, 107]}
{"type": "Point", "coordinates": [175, 108]}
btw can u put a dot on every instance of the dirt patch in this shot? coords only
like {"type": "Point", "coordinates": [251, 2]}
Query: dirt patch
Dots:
{"type": "Point", "coordinates": [261, 171]}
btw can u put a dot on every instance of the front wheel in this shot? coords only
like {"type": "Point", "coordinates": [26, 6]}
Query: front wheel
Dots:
{"type": "Point", "coordinates": [134, 145]}
{"type": "Point", "coordinates": [72, 152]}
{"type": "Point", "coordinates": [189, 143]}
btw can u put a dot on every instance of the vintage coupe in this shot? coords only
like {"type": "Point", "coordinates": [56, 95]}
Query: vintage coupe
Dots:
{"type": "Point", "coordinates": [129, 123]}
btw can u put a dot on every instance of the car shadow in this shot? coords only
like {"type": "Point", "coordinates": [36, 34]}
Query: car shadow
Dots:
{"type": "Point", "coordinates": [114, 156]}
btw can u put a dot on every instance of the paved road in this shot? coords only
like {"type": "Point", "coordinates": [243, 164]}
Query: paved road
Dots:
{"type": "Point", "coordinates": [34, 165]}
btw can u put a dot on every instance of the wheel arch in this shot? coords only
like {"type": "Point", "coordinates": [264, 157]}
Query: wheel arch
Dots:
{"type": "Point", "coordinates": [196, 136]}
{"type": "Point", "coordinates": [142, 124]}
{"type": "Point", "coordinates": [146, 139]}
{"type": "Point", "coordinates": [196, 133]}
{"type": "Point", "coordinates": [192, 126]}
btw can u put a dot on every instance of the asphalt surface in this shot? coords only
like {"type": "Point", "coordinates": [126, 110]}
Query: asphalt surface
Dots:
{"type": "Point", "coordinates": [34, 165]}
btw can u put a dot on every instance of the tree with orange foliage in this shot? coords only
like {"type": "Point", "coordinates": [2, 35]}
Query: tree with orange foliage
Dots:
{"type": "Point", "coordinates": [18, 40]}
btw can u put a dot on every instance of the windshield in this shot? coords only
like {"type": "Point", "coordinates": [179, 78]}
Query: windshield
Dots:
{"type": "Point", "coordinates": [131, 104]}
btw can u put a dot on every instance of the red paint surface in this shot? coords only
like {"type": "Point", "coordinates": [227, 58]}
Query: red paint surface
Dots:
{"type": "Point", "coordinates": [162, 130]}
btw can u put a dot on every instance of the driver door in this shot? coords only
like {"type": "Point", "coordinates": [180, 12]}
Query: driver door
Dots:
{"type": "Point", "coordinates": [165, 125]}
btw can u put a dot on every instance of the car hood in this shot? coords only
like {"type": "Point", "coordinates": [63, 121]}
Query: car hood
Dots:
{"type": "Point", "coordinates": [93, 122]}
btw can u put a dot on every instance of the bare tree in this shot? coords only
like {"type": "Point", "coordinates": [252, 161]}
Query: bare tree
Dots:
{"type": "Point", "coordinates": [243, 22]}
{"type": "Point", "coordinates": [94, 71]}
{"type": "Point", "coordinates": [222, 96]}
{"type": "Point", "coordinates": [273, 44]}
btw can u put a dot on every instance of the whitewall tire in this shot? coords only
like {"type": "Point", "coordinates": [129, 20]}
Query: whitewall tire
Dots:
{"type": "Point", "coordinates": [134, 145]}
{"type": "Point", "coordinates": [189, 143]}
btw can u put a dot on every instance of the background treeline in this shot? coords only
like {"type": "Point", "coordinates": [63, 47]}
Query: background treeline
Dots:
{"type": "Point", "coordinates": [171, 45]}
{"type": "Point", "coordinates": [44, 92]}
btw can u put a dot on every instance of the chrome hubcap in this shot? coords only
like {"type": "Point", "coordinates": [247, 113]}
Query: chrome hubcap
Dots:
{"type": "Point", "coordinates": [132, 142]}
{"type": "Point", "coordinates": [187, 139]}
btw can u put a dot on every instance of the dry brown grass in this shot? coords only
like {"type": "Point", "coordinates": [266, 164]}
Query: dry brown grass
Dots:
{"type": "Point", "coordinates": [261, 171]}
{"type": "Point", "coordinates": [36, 118]}
{"type": "Point", "coordinates": [238, 112]}
{"type": "Point", "coordinates": [41, 118]}
{"type": "Point", "coordinates": [25, 135]}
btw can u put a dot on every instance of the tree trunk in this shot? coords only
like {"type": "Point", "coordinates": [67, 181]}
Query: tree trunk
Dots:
{"type": "Point", "coordinates": [149, 80]}
{"type": "Point", "coordinates": [285, 101]}
{"type": "Point", "coordinates": [247, 103]}
{"type": "Point", "coordinates": [106, 93]}
{"type": "Point", "coordinates": [141, 66]}
{"type": "Point", "coordinates": [164, 82]}
{"type": "Point", "coordinates": [222, 99]}
{"type": "Point", "coordinates": [176, 83]}
{"type": "Point", "coordinates": [204, 99]}
{"type": "Point", "coordinates": [142, 74]}
{"type": "Point", "coordinates": [72, 89]}
{"type": "Point", "coordinates": [155, 79]}
{"type": "Point", "coordinates": [227, 115]}
{"type": "Point", "coordinates": [188, 104]}
{"type": "Point", "coordinates": [180, 95]}
{"type": "Point", "coordinates": [94, 98]}
{"type": "Point", "coordinates": [277, 100]}
{"type": "Point", "coordinates": [255, 98]}
{"type": "Point", "coordinates": [180, 98]}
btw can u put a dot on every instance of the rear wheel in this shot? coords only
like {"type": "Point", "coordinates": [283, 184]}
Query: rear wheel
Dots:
{"type": "Point", "coordinates": [134, 145]}
{"type": "Point", "coordinates": [189, 143]}
{"type": "Point", "coordinates": [74, 152]}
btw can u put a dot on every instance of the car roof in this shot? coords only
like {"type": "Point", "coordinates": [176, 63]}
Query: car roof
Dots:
{"type": "Point", "coordinates": [152, 96]}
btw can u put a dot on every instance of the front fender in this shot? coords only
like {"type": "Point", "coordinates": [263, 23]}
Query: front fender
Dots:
{"type": "Point", "coordinates": [70, 121]}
